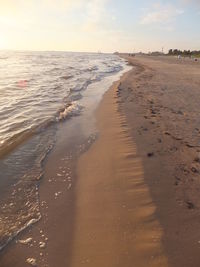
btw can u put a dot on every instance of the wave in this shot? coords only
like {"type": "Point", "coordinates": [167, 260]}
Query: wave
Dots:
{"type": "Point", "coordinates": [72, 109]}
{"type": "Point", "coordinates": [82, 85]}
{"type": "Point", "coordinates": [17, 139]}
{"type": "Point", "coordinates": [114, 69]}
{"type": "Point", "coordinates": [74, 97]}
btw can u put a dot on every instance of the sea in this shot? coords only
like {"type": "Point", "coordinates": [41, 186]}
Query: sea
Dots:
{"type": "Point", "coordinates": [39, 91]}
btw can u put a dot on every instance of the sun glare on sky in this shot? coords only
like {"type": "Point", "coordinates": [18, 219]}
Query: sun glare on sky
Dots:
{"type": "Point", "coordinates": [92, 25]}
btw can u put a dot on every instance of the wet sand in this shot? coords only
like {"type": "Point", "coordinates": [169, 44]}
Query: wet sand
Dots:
{"type": "Point", "coordinates": [114, 221]}
{"type": "Point", "coordinates": [133, 197]}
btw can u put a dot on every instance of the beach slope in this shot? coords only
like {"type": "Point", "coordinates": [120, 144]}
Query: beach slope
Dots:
{"type": "Point", "coordinates": [114, 222]}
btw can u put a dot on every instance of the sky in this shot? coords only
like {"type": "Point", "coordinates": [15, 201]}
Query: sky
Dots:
{"type": "Point", "coordinates": [99, 25]}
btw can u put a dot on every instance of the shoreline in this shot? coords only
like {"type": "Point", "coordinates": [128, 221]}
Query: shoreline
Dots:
{"type": "Point", "coordinates": [134, 193]}
{"type": "Point", "coordinates": [57, 190]}
{"type": "Point", "coordinates": [31, 132]}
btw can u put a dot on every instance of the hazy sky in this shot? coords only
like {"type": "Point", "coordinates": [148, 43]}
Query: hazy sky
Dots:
{"type": "Point", "coordinates": [106, 25]}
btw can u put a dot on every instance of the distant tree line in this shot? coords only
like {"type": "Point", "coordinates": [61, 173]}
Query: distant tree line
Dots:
{"type": "Point", "coordinates": [176, 52]}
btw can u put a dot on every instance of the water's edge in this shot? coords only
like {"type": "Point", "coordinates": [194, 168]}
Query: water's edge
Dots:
{"type": "Point", "coordinates": [22, 208]}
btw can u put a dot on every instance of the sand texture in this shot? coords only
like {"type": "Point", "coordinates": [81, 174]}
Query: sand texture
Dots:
{"type": "Point", "coordinates": [114, 223]}
{"type": "Point", "coordinates": [160, 99]}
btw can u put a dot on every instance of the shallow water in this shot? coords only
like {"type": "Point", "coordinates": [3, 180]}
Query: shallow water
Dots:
{"type": "Point", "coordinates": [38, 90]}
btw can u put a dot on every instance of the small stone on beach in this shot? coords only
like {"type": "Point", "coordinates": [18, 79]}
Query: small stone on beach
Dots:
{"type": "Point", "coordinates": [194, 170]}
{"type": "Point", "coordinates": [69, 186]}
{"type": "Point", "coordinates": [42, 244]}
{"type": "Point", "coordinates": [190, 205]}
{"type": "Point", "coordinates": [31, 261]}
{"type": "Point", "coordinates": [150, 154]}
{"type": "Point", "coordinates": [26, 241]}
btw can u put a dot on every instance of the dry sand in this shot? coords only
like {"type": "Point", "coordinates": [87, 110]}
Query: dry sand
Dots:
{"type": "Point", "coordinates": [160, 99]}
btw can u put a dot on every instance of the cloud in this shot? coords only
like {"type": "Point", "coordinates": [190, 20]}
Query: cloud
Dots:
{"type": "Point", "coordinates": [161, 14]}
{"type": "Point", "coordinates": [96, 14]}
{"type": "Point", "coordinates": [193, 3]}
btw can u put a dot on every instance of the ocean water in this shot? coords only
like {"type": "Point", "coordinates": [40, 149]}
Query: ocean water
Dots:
{"type": "Point", "coordinates": [38, 90]}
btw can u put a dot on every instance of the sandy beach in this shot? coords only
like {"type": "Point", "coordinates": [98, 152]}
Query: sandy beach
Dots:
{"type": "Point", "coordinates": [131, 196]}
{"type": "Point", "coordinates": [114, 222]}
{"type": "Point", "coordinates": [160, 100]}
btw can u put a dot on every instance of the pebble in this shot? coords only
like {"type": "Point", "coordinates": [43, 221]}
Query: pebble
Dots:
{"type": "Point", "coordinates": [31, 261]}
{"type": "Point", "coordinates": [150, 154]}
{"type": "Point", "coordinates": [42, 244]}
{"type": "Point", "coordinates": [57, 193]}
{"type": "Point", "coordinates": [69, 186]}
{"type": "Point", "coordinates": [26, 241]}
